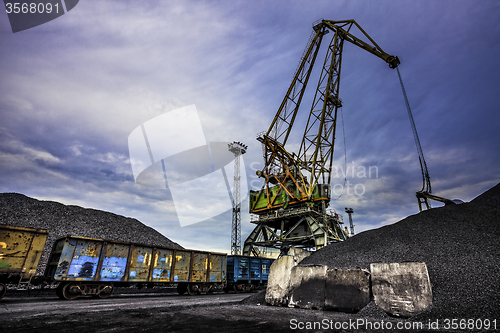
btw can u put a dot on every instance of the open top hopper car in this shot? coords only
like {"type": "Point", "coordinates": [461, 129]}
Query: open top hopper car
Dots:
{"type": "Point", "coordinates": [87, 266]}
{"type": "Point", "coordinates": [245, 273]}
{"type": "Point", "coordinates": [20, 251]}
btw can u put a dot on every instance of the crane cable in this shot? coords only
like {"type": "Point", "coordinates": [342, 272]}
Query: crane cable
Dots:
{"type": "Point", "coordinates": [426, 185]}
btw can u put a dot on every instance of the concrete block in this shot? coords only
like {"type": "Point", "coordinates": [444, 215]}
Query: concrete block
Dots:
{"type": "Point", "coordinates": [298, 254]}
{"type": "Point", "coordinates": [401, 289]}
{"type": "Point", "coordinates": [307, 285]}
{"type": "Point", "coordinates": [278, 283]}
{"type": "Point", "coordinates": [347, 290]}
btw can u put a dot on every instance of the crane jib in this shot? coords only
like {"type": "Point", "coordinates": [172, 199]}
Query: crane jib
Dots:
{"type": "Point", "coordinates": [292, 204]}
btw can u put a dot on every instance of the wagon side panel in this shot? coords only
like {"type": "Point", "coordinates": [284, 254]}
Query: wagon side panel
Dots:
{"type": "Point", "coordinates": [162, 265]}
{"type": "Point", "coordinates": [140, 264]}
{"type": "Point", "coordinates": [182, 264]}
{"type": "Point", "coordinates": [199, 266]}
{"type": "Point", "coordinates": [20, 249]}
{"type": "Point", "coordinates": [114, 262]}
{"type": "Point", "coordinates": [78, 259]}
{"type": "Point", "coordinates": [242, 268]}
{"type": "Point", "coordinates": [255, 269]}
{"type": "Point", "coordinates": [231, 269]}
{"type": "Point", "coordinates": [217, 268]}
{"type": "Point", "coordinates": [266, 267]}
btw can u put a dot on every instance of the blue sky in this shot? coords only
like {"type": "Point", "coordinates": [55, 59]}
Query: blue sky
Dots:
{"type": "Point", "coordinates": [72, 90]}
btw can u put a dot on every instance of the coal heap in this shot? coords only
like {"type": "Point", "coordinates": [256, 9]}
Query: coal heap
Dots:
{"type": "Point", "coordinates": [459, 244]}
{"type": "Point", "coordinates": [61, 220]}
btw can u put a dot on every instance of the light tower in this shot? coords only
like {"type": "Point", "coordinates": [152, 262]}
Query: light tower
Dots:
{"type": "Point", "coordinates": [349, 211]}
{"type": "Point", "coordinates": [238, 149]}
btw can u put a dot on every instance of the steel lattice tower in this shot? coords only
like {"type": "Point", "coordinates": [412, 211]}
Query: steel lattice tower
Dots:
{"type": "Point", "coordinates": [238, 149]}
{"type": "Point", "coordinates": [349, 211]}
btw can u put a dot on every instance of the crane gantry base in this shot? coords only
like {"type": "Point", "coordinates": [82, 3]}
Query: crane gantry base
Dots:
{"type": "Point", "coordinates": [305, 227]}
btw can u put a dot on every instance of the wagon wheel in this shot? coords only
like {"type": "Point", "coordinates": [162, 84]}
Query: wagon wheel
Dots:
{"type": "Point", "coordinates": [193, 290]}
{"type": "Point", "coordinates": [3, 290]}
{"type": "Point", "coordinates": [210, 290]}
{"type": "Point", "coordinates": [106, 292]}
{"type": "Point", "coordinates": [181, 288]}
{"type": "Point", "coordinates": [236, 288]}
{"type": "Point", "coordinates": [69, 292]}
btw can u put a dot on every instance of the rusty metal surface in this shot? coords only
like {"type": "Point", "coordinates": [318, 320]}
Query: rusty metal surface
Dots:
{"type": "Point", "coordinates": [199, 267]}
{"type": "Point", "coordinates": [224, 268]}
{"type": "Point", "coordinates": [20, 249]}
{"type": "Point", "coordinates": [87, 259]}
{"type": "Point", "coordinates": [162, 265]}
{"type": "Point", "coordinates": [181, 267]}
{"type": "Point", "coordinates": [217, 268]}
{"type": "Point", "coordinates": [140, 263]}
{"type": "Point", "coordinates": [114, 262]}
{"type": "Point", "coordinates": [78, 260]}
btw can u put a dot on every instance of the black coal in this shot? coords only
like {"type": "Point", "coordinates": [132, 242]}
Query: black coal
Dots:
{"type": "Point", "coordinates": [61, 220]}
{"type": "Point", "coordinates": [460, 245]}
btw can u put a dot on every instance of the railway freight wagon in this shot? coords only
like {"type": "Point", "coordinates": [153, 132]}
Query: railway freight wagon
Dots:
{"type": "Point", "coordinates": [87, 266]}
{"type": "Point", "coordinates": [245, 273]}
{"type": "Point", "coordinates": [20, 251]}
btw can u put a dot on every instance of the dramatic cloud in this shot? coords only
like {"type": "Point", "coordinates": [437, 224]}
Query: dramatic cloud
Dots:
{"type": "Point", "coordinates": [73, 90]}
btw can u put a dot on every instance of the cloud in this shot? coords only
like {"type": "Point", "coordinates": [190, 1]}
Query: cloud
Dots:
{"type": "Point", "coordinates": [72, 90]}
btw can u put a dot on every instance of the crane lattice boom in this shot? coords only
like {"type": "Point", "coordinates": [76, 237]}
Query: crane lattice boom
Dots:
{"type": "Point", "coordinates": [300, 175]}
{"type": "Point", "coordinates": [292, 203]}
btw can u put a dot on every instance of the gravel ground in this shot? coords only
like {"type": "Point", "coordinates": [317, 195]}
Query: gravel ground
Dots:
{"type": "Point", "coordinates": [459, 244]}
{"type": "Point", "coordinates": [61, 220]}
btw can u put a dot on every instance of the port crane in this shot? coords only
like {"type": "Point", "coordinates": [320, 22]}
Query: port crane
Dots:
{"type": "Point", "coordinates": [292, 203]}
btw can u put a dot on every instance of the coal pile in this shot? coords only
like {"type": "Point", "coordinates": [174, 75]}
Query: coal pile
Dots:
{"type": "Point", "coordinates": [61, 220]}
{"type": "Point", "coordinates": [460, 245]}
{"type": "Point", "coordinates": [258, 298]}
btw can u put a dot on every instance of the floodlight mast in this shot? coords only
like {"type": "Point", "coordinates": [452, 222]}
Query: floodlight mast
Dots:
{"type": "Point", "coordinates": [349, 212]}
{"type": "Point", "coordinates": [238, 149]}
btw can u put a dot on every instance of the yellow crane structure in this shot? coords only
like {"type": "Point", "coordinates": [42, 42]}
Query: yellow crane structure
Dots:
{"type": "Point", "coordinates": [292, 205]}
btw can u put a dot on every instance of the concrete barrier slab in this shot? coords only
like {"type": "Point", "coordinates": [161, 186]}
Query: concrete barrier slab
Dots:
{"type": "Point", "coordinates": [401, 289]}
{"type": "Point", "coordinates": [347, 290]}
{"type": "Point", "coordinates": [298, 254]}
{"type": "Point", "coordinates": [278, 284]}
{"type": "Point", "coordinates": [307, 285]}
